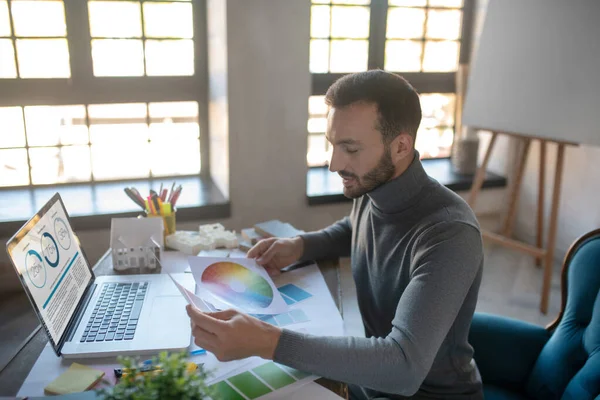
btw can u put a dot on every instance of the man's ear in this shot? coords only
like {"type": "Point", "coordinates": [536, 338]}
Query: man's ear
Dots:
{"type": "Point", "coordinates": [401, 147]}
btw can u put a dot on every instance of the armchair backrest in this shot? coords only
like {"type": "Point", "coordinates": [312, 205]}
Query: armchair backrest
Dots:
{"type": "Point", "coordinates": [569, 365]}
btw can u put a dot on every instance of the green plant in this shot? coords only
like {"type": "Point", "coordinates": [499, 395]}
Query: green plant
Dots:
{"type": "Point", "coordinates": [173, 380]}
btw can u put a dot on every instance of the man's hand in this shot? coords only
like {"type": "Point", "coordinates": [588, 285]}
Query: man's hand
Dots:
{"type": "Point", "coordinates": [231, 335]}
{"type": "Point", "coordinates": [275, 253]}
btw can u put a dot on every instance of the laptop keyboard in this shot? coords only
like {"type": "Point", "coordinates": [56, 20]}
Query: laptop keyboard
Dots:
{"type": "Point", "coordinates": [116, 314]}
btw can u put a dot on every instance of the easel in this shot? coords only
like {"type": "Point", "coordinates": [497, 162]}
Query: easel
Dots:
{"type": "Point", "coordinates": [543, 255]}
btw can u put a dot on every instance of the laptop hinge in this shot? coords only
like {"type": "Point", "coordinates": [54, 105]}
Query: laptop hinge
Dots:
{"type": "Point", "coordinates": [79, 313]}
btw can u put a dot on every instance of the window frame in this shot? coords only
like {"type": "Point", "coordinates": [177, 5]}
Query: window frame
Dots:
{"type": "Point", "coordinates": [83, 88]}
{"type": "Point", "coordinates": [423, 82]}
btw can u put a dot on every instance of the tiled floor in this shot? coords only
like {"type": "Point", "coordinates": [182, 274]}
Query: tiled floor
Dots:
{"type": "Point", "coordinates": [511, 287]}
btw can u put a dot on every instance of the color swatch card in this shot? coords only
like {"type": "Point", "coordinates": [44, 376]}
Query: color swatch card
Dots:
{"type": "Point", "coordinates": [239, 283]}
{"type": "Point", "coordinates": [293, 294]}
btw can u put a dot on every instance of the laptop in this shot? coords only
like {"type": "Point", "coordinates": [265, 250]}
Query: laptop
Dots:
{"type": "Point", "coordinates": [93, 316]}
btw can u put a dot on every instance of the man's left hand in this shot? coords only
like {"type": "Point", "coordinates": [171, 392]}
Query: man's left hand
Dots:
{"type": "Point", "coordinates": [231, 335]}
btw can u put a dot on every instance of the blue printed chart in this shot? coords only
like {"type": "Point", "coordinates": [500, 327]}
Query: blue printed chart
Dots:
{"type": "Point", "coordinates": [36, 271]}
{"type": "Point", "coordinates": [292, 294]}
{"type": "Point", "coordinates": [50, 250]}
{"type": "Point", "coordinates": [61, 232]}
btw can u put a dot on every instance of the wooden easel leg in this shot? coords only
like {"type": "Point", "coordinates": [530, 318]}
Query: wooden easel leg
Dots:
{"type": "Point", "coordinates": [549, 261]}
{"type": "Point", "coordinates": [480, 174]}
{"type": "Point", "coordinates": [541, 198]}
{"type": "Point", "coordinates": [509, 222]}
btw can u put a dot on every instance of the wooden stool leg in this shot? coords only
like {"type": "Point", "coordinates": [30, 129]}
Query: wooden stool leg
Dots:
{"type": "Point", "coordinates": [480, 174]}
{"type": "Point", "coordinates": [509, 222]}
{"type": "Point", "coordinates": [541, 198]}
{"type": "Point", "coordinates": [549, 262]}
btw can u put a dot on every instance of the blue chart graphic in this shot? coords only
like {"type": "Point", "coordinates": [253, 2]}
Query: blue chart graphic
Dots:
{"type": "Point", "coordinates": [61, 232]}
{"type": "Point", "coordinates": [50, 250]}
{"type": "Point", "coordinates": [36, 272]}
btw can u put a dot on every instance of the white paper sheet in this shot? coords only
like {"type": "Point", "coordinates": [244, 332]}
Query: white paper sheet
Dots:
{"type": "Point", "coordinates": [190, 297]}
{"type": "Point", "coordinates": [238, 283]}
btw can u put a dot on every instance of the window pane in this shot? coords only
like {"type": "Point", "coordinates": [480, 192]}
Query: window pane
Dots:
{"type": "Point", "coordinates": [54, 165]}
{"type": "Point", "coordinates": [408, 3]}
{"type": "Point", "coordinates": [117, 19]}
{"type": "Point", "coordinates": [433, 143]}
{"type": "Point", "coordinates": [13, 167]}
{"type": "Point", "coordinates": [184, 111]}
{"type": "Point", "coordinates": [440, 56]}
{"type": "Point", "coordinates": [39, 18]}
{"type": "Point", "coordinates": [8, 68]}
{"type": "Point", "coordinates": [446, 3]}
{"type": "Point", "coordinates": [319, 21]}
{"type": "Point", "coordinates": [4, 19]}
{"type": "Point", "coordinates": [169, 57]}
{"type": "Point", "coordinates": [317, 125]}
{"type": "Point", "coordinates": [317, 106]}
{"type": "Point", "coordinates": [12, 132]}
{"type": "Point", "coordinates": [351, 1]}
{"type": "Point", "coordinates": [319, 56]}
{"type": "Point", "coordinates": [174, 149]}
{"type": "Point", "coordinates": [43, 58]}
{"type": "Point", "coordinates": [123, 158]}
{"type": "Point", "coordinates": [118, 57]}
{"type": "Point", "coordinates": [119, 136]}
{"type": "Point", "coordinates": [117, 113]}
{"type": "Point", "coordinates": [349, 55]}
{"type": "Point", "coordinates": [405, 23]}
{"type": "Point", "coordinates": [350, 22]}
{"type": "Point", "coordinates": [403, 55]}
{"type": "Point", "coordinates": [438, 110]}
{"type": "Point", "coordinates": [443, 24]}
{"type": "Point", "coordinates": [52, 125]}
{"type": "Point", "coordinates": [168, 20]}
{"type": "Point", "coordinates": [174, 133]}
{"type": "Point", "coordinates": [317, 154]}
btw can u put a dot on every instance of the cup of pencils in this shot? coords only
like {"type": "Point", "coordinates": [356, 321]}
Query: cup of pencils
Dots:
{"type": "Point", "coordinates": [161, 204]}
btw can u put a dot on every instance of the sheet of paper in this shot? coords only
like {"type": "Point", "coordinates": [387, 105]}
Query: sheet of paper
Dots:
{"type": "Point", "coordinates": [190, 297]}
{"type": "Point", "coordinates": [239, 283]}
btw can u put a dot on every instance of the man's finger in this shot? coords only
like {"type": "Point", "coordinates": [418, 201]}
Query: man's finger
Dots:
{"type": "Point", "coordinates": [204, 321]}
{"type": "Point", "coordinates": [268, 255]}
{"type": "Point", "coordinates": [272, 270]}
{"type": "Point", "coordinates": [224, 315]}
{"type": "Point", "coordinates": [259, 248]}
{"type": "Point", "coordinates": [204, 339]}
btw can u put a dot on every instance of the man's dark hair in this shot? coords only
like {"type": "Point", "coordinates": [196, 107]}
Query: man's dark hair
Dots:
{"type": "Point", "coordinates": [397, 101]}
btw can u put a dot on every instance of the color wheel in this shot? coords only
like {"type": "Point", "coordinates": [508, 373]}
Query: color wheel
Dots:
{"type": "Point", "coordinates": [237, 285]}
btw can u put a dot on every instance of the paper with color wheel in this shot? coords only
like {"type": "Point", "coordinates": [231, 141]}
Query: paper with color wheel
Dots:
{"type": "Point", "coordinates": [238, 283]}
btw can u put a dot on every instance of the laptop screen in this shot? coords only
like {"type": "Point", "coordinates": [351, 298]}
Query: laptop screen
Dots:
{"type": "Point", "coordinates": [51, 266]}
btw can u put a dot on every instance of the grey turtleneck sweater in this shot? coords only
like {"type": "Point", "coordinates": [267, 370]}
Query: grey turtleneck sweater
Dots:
{"type": "Point", "coordinates": [417, 258]}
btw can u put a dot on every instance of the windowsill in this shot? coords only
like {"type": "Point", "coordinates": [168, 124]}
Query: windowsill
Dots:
{"type": "Point", "coordinates": [92, 206]}
{"type": "Point", "coordinates": [324, 187]}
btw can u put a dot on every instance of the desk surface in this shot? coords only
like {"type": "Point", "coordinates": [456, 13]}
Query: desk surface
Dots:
{"type": "Point", "coordinates": [13, 376]}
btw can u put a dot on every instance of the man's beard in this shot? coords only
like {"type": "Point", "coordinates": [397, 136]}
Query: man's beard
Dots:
{"type": "Point", "coordinates": [380, 174]}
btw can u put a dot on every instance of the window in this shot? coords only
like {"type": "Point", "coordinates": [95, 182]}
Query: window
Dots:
{"type": "Point", "coordinates": [423, 40]}
{"type": "Point", "coordinates": [101, 91]}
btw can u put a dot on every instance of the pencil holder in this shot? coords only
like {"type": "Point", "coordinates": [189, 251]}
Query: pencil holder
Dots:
{"type": "Point", "coordinates": [169, 223]}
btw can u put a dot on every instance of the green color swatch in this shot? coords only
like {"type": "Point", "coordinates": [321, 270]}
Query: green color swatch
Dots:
{"type": "Point", "coordinates": [226, 392]}
{"type": "Point", "coordinates": [273, 375]}
{"type": "Point", "coordinates": [294, 372]}
{"type": "Point", "coordinates": [249, 385]}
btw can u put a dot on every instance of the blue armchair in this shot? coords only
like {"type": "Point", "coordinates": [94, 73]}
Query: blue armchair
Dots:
{"type": "Point", "coordinates": [518, 360]}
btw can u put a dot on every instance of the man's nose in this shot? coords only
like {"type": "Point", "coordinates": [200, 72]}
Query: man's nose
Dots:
{"type": "Point", "coordinates": [334, 162]}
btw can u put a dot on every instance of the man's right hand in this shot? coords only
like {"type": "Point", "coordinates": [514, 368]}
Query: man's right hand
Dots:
{"type": "Point", "coordinates": [277, 253]}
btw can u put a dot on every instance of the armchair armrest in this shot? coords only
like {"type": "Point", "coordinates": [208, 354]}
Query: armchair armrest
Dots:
{"type": "Point", "coordinates": [506, 349]}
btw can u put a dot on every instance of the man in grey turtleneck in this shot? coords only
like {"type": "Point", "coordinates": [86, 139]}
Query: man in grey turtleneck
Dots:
{"type": "Point", "coordinates": [416, 255]}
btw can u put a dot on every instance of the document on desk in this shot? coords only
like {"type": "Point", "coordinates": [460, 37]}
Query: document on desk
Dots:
{"type": "Point", "coordinates": [238, 283]}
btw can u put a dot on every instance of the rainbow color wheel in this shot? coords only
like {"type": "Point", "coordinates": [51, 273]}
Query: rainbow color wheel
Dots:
{"type": "Point", "coordinates": [237, 285]}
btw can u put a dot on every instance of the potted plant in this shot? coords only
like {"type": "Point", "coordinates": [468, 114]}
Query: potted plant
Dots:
{"type": "Point", "coordinates": [169, 376]}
